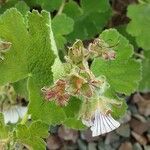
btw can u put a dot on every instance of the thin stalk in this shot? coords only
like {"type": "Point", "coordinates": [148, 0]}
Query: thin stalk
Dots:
{"type": "Point", "coordinates": [139, 55]}
{"type": "Point", "coordinates": [24, 119]}
{"type": "Point", "coordinates": [61, 7]}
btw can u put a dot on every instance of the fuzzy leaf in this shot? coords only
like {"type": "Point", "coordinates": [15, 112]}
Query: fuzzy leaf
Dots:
{"type": "Point", "coordinates": [139, 26]}
{"type": "Point", "coordinates": [72, 109]}
{"type": "Point", "coordinates": [38, 128]}
{"type": "Point", "coordinates": [145, 82]}
{"type": "Point", "coordinates": [45, 4]}
{"type": "Point", "coordinates": [61, 25]}
{"type": "Point", "coordinates": [22, 132]}
{"type": "Point", "coordinates": [8, 4]}
{"type": "Point", "coordinates": [74, 124]}
{"type": "Point", "coordinates": [20, 88]}
{"type": "Point", "coordinates": [72, 10]}
{"type": "Point", "coordinates": [32, 57]}
{"type": "Point", "coordinates": [41, 109]}
{"type": "Point", "coordinates": [123, 73]}
{"type": "Point", "coordinates": [98, 5]}
{"type": "Point", "coordinates": [33, 50]}
{"type": "Point", "coordinates": [118, 112]}
{"type": "Point", "coordinates": [22, 7]}
{"type": "Point", "coordinates": [3, 128]}
{"type": "Point", "coordinates": [87, 23]}
{"type": "Point", "coordinates": [14, 66]}
{"type": "Point", "coordinates": [32, 137]}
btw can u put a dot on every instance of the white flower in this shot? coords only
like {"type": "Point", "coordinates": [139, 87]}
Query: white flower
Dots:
{"type": "Point", "coordinates": [13, 114]}
{"type": "Point", "coordinates": [101, 123]}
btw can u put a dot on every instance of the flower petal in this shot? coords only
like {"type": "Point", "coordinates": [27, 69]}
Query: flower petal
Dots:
{"type": "Point", "coordinates": [103, 124]}
{"type": "Point", "coordinates": [11, 115]}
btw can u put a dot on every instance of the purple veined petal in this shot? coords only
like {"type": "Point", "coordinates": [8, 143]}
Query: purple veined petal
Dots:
{"type": "Point", "coordinates": [96, 128]}
{"type": "Point", "coordinates": [14, 113]}
{"type": "Point", "coordinates": [21, 111]}
{"type": "Point", "coordinates": [11, 115]}
{"type": "Point", "coordinates": [6, 116]}
{"type": "Point", "coordinates": [103, 124]}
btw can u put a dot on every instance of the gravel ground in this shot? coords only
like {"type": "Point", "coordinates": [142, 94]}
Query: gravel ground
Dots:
{"type": "Point", "coordinates": [133, 134]}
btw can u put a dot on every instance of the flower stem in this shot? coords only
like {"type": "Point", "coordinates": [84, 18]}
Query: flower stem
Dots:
{"type": "Point", "coordinates": [139, 55]}
{"type": "Point", "coordinates": [24, 119]}
{"type": "Point", "coordinates": [61, 8]}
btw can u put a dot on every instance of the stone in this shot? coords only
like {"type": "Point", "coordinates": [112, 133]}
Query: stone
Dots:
{"type": "Point", "coordinates": [125, 146]}
{"type": "Point", "coordinates": [137, 146]}
{"type": "Point", "coordinates": [68, 134]}
{"type": "Point", "coordinates": [124, 130]}
{"type": "Point", "coordinates": [141, 139]}
{"type": "Point", "coordinates": [53, 142]}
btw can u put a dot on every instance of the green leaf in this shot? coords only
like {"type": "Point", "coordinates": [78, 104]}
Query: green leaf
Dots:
{"type": "Point", "coordinates": [72, 109]}
{"type": "Point", "coordinates": [22, 132]}
{"type": "Point", "coordinates": [8, 4]}
{"type": "Point", "coordinates": [33, 49]}
{"type": "Point", "coordinates": [122, 30]}
{"type": "Point", "coordinates": [74, 124]}
{"type": "Point", "coordinates": [32, 137]}
{"type": "Point", "coordinates": [61, 25]}
{"type": "Point", "coordinates": [87, 23]}
{"type": "Point", "coordinates": [124, 73]}
{"type": "Point", "coordinates": [140, 23]}
{"type": "Point", "coordinates": [51, 5]}
{"type": "Point", "coordinates": [3, 128]}
{"type": "Point", "coordinates": [72, 10]}
{"type": "Point", "coordinates": [22, 7]}
{"type": "Point", "coordinates": [72, 113]}
{"type": "Point", "coordinates": [41, 109]}
{"type": "Point", "coordinates": [20, 88]}
{"type": "Point", "coordinates": [95, 5]}
{"type": "Point", "coordinates": [38, 128]}
{"type": "Point", "coordinates": [145, 82]}
{"type": "Point", "coordinates": [45, 4]}
{"type": "Point", "coordinates": [118, 112]}
{"type": "Point", "coordinates": [14, 66]}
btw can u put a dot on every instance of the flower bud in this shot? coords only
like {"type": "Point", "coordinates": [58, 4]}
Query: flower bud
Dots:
{"type": "Point", "coordinates": [57, 93]}
{"type": "Point", "coordinates": [4, 46]}
{"type": "Point", "coordinates": [99, 48]}
{"type": "Point", "coordinates": [109, 55]}
{"type": "Point", "coordinates": [76, 53]}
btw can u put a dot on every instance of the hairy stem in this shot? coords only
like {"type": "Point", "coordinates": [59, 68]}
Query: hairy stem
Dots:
{"type": "Point", "coordinates": [61, 7]}
{"type": "Point", "coordinates": [24, 119]}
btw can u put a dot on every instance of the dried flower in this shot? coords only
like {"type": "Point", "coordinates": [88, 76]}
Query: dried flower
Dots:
{"type": "Point", "coordinates": [99, 48]}
{"type": "Point", "coordinates": [57, 93]}
{"type": "Point", "coordinates": [4, 46]}
{"type": "Point", "coordinates": [109, 55]}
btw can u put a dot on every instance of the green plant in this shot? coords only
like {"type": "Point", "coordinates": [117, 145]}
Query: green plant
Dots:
{"type": "Point", "coordinates": [88, 81]}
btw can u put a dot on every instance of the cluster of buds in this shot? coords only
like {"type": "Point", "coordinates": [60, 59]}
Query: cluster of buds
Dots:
{"type": "Point", "coordinates": [4, 47]}
{"type": "Point", "coordinates": [57, 93]}
{"type": "Point", "coordinates": [79, 81]}
{"type": "Point", "coordinates": [99, 48]}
